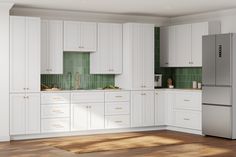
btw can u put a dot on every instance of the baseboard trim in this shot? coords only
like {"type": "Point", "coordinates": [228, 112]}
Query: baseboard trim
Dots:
{"type": "Point", "coordinates": [89, 132]}
{"type": "Point", "coordinates": [93, 132]}
{"type": "Point", "coordinates": [4, 138]}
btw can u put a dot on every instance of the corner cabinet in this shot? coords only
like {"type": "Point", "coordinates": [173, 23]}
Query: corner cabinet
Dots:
{"type": "Point", "coordinates": [138, 57]}
{"type": "Point", "coordinates": [24, 114]}
{"type": "Point", "coordinates": [108, 57]}
{"type": "Point", "coordinates": [181, 45]}
{"type": "Point", "coordinates": [24, 54]}
{"type": "Point", "coordinates": [51, 47]}
{"type": "Point", "coordinates": [80, 36]}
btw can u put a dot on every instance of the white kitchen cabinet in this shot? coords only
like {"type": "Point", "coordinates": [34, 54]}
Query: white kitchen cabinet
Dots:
{"type": "Point", "coordinates": [80, 36]}
{"type": "Point", "coordinates": [51, 47]}
{"type": "Point", "coordinates": [181, 45]}
{"type": "Point", "coordinates": [87, 116]}
{"type": "Point", "coordinates": [108, 57]}
{"type": "Point", "coordinates": [138, 57]}
{"type": "Point", "coordinates": [142, 108]}
{"type": "Point", "coordinates": [164, 102]}
{"type": "Point", "coordinates": [24, 54]}
{"type": "Point", "coordinates": [24, 114]}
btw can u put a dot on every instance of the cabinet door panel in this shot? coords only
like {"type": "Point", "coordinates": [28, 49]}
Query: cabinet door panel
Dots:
{"type": "Point", "coordinates": [17, 54]}
{"type": "Point", "coordinates": [33, 54]}
{"type": "Point", "coordinates": [71, 35]}
{"type": "Point", "coordinates": [198, 30]}
{"type": "Point", "coordinates": [33, 114]}
{"type": "Point", "coordinates": [148, 108]}
{"type": "Point", "coordinates": [160, 103]}
{"type": "Point", "coordinates": [136, 109]}
{"type": "Point", "coordinates": [164, 46]}
{"type": "Point", "coordinates": [79, 117]}
{"type": "Point", "coordinates": [88, 36]}
{"type": "Point", "coordinates": [44, 47]}
{"type": "Point", "coordinates": [172, 46]}
{"type": "Point", "coordinates": [97, 114]}
{"type": "Point", "coordinates": [148, 56]}
{"type": "Point", "coordinates": [17, 114]}
{"type": "Point", "coordinates": [137, 57]}
{"type": "Point", "coordinates": [183, 45]}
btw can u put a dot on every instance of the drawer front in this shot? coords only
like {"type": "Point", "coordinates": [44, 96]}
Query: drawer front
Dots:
{"type": "Point", "coordinates": [188, 100]}
{"type": "Point", "coordinates": [55, 125]}
{"type": "Point", "coordinates": [122, 121]}
{"type": "Point", "coordinates": [117, 108]}
{"type": "Point", "coordinates": [87, 97]}
{"type": "Point", "coordinates": [55, 111]}
{"type": "Point", "coordinates": [188, 119]}
{"type": "Point", "coordinates": [117, 96]}
{"type": "Point", "coordinates": [55, 98]}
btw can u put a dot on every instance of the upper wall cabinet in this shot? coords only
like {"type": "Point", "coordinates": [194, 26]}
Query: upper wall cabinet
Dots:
{"type": "Point", "coordinates": [24, 54]}
{"type": "Point", "coordinates": [108, 58]}
{"type": "Point", "coordinates": [80, 36]}
{"type": "Point", "coordinates": [138, 57]}
{"type": "Point", "coordinates": [181, 45]}
{"type": "Point", "coordinates": [51, 47]}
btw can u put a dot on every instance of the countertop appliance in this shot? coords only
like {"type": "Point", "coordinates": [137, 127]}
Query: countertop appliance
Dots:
{"type": "Point", "coordinates": [158, 80]}
{"type": "Point", "coordinates": [219, 85]}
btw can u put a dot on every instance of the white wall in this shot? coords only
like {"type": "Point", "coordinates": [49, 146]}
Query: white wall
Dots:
{"type": "Point", "coordinates": [4, 68]}
{"type": "Point", "coordinates": [87, 16]}
{"type": "Point", "coordinates": [227, 18]}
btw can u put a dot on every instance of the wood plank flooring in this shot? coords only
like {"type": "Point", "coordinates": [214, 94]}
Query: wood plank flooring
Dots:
{"type": "Point", "coordinates": [187, 145]}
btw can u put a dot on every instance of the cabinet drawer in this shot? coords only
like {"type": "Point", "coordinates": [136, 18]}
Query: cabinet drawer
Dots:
{"type": "Point", "coordinates": [188, 100]}
{"type": "Point", "coordinates": [117, 108]}
{"type": "Point", "coordinates": [55, 111]}
{"type": "Point", "coordinates": [87, 97]}
{"type": "Point", "coordinates": [122, 121]}
{"type": "Point", "coordinates": [55, 98]}
{"type": "Point", "coordinates": [188, 119]}
{"type": "Point", "coordinates": [117, 96]}
{"type": "Point", "coordinates": [55, 125]}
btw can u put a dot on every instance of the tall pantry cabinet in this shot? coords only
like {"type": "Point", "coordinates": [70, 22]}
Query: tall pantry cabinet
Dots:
{"type": "Point", "coordinates": [24, 75]}
{"type": "Point", "coordinates": [138, 71]}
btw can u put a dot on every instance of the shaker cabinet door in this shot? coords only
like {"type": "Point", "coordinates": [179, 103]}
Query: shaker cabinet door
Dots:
{"type": "Point", "coordinates": [79, 117]}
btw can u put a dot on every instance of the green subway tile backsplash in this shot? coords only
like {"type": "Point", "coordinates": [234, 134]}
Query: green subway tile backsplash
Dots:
{"type": "Point", "coordinates": [77, 64]}
{"type": "Point", "coordinates": [182, 77]}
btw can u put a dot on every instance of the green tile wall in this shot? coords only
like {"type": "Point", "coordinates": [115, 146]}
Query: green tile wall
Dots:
{"type": "Point", "coordinates": [77, 64]}
{"type": "Point", "coordinates": [182, 77]}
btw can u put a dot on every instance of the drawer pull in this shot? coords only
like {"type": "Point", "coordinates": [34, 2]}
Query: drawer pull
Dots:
{"type": "Point", "coordinates": [58, 126]}
{"type": "Point", "coordinates": [186, 100]}
{"type": "Point", "coordinates": [56, 98]}
{"type": "Point", "coordinates": [57, 111]}
{"type": "Point", "coordinates": [118, 96]}
{"type": "Point", "coordinates": [118, 121]}
{"type": "Point", "coordinates": [143, 94]}
{"type": "Point", "coordinates": [186, 119]}
{"type": "Point", "coordinates": [118, 108]}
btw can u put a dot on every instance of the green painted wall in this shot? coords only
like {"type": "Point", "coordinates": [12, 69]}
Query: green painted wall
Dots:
{"type": "Point", "coordinates": [182, 77]}
{"type": "Point", "coordinates": [77, 64]}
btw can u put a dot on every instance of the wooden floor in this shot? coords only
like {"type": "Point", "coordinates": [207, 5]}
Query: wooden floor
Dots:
{"type": "Point", "coordinates": [187, 146]}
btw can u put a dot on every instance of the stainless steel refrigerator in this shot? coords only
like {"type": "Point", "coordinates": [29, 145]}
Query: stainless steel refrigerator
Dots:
{"type": "Point", "coordinates": [219, 85]}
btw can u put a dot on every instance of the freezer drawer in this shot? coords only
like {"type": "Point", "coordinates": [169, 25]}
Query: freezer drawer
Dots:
{"type": "Point", "coordinates": [216, 121]}
{"type": "Point", "coordinates": [216, 95]}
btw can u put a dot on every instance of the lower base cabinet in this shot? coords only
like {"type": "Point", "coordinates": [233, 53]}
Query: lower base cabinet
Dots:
{"type": "Point", "coordinates": [87, 116]}
{"type": "Point", "coordinates": [24, 114]}
{"type": "Point", "coordinates": [142, 108]}
{"type": "Point", "coordinates": [55, 125]}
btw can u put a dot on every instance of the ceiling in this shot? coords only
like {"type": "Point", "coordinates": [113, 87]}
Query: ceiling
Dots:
{"type": "Point", "coordinates": [166, 8]}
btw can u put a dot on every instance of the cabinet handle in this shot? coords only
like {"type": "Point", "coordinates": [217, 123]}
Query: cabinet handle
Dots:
{"type": "Point", "coordinates": [118, 108]}
{"type": "Point", "coordinates": [186, 100]}
{"type": "Point", "coordinates": [118, 121]}
{"type": "Point", "coordinates": [57, 111]}
{"type": "Point", "coordinates": [81, 47]}
{"type": "Point", "coordinates": [186, 119]}
{"type": "Point", "coordinates": [24, 88]}
{"type": "Point", "coordinates": [56, 98]}
{"type": "Point", "coordinates": [58, 126]}
{"type": "Point", "coordinates": [166, 63]}
{"type": "Point", "coordinates": [143, 94]}
{"type": "Point", "coordinates": [118, 96]}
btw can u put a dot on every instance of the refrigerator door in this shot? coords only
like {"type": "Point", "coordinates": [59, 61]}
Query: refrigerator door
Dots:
{"type": "Point", "coordinates": [223, 60]}
{"type": "Point", "coordinates": [216, 95]}
{"type": "Point", "coordinates": [208, 60]}
{"type": "Point", "coordinates": [217, 121]}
